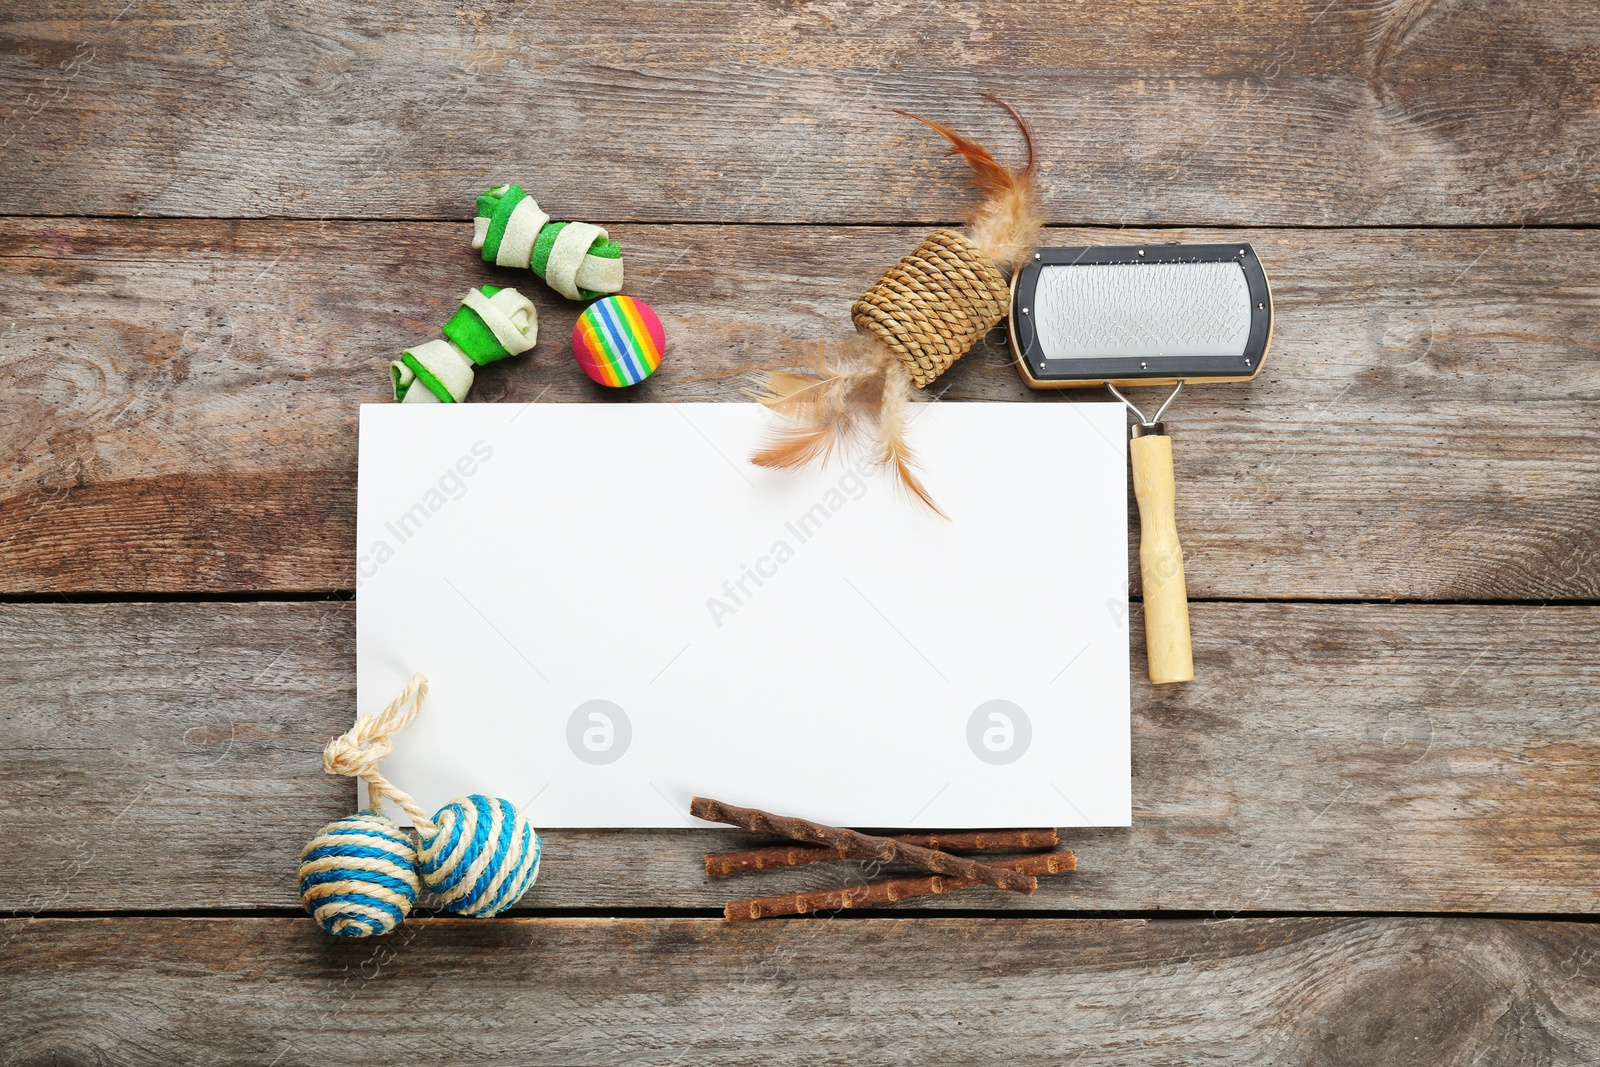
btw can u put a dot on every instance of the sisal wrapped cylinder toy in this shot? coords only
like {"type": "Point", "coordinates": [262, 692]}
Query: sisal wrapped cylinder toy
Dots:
{"type": "Point", "coordinates": [934, 305]}
{"type": "Point", "coordinates": [361, 876]}
{"type": "Point", "coordinates": [912, 325]}
{"type": "Point", "coordinates": [578, 260]}
{"type": "Point", "coordinates": [492, 324]}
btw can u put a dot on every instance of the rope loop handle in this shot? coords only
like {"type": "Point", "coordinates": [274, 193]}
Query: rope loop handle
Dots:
{"type": "Point", "coordinates": [356, 753]}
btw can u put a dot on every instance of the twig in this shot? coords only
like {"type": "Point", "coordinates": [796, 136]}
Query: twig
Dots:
{"type": "Point", "coordinates": [722, 864]}
{"type": "Point", "coordinates": [883, 848]}
{"type": "Point", "coordinates": [884, 892]}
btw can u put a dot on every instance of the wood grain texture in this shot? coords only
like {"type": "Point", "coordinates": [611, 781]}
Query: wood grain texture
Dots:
{"type": "Point", "coordinates": [1277, 112]}
{"type": "Point", "coordinates": [1328, 757]}
{"type": "Point", "coordinates": [1317, 991]}
{"type": "Point", "coordinates": [178, 401]}
{"type": "Point", "coordinates": [181, 396]}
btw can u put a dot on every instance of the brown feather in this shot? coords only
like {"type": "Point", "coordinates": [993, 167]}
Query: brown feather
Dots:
{"type": "Point", "coordinates": [854, 386]}
{"type": "Point", "coordinates": [896, 454]}
{"type": "Point", "coordinates": [1005, 224]}
{"type": "Point", "coordinates": [789, 448]}
{"type": "Point", "coordinates": [785, 385]}
{"type": "Point", "coordinates": [826, 407]}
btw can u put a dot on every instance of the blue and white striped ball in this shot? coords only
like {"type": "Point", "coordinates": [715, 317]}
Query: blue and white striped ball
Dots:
{"type": "Point", "coordinates": [358, 876]}
{"type": "Point", "coordinates": [482, 857]}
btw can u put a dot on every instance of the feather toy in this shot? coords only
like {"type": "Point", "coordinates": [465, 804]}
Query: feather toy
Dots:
{"type": "Point", "coordinates": [854, 392]}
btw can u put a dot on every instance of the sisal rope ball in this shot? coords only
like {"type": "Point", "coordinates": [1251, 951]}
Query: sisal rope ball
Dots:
{"type": "Point", "coordinates": [480, 856]}
{"type": "Point", "coordinates": [358, 876]}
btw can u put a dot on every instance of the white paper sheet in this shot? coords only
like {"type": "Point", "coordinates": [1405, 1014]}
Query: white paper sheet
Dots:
{"type": "Point", "coordinates": [616, 611]}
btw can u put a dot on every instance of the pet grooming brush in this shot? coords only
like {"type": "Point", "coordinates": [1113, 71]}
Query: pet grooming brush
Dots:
{"type": "Point", "coordinates": [1145, 315]}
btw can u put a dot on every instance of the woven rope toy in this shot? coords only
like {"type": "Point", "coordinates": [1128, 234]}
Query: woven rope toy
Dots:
{"type": "Point", "coordinates": [491, 324]}
{"type": "Point", "coordinates": [578, 260]}
{"type": "Point", "coordinates": [934, 305]}
{"type": "Point", "coordinates": [925, 313]}
{"type": "Point", "coordinates": [359, 876]}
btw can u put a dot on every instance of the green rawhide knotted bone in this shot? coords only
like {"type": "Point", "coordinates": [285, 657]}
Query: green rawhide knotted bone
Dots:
{"type": "Point", "coordinates": [577, 259]}
{"type": "Point", "coordinates": [491, 324]}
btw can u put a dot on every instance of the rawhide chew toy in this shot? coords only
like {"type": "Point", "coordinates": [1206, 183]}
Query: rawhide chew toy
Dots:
{"type": "Point", "coordinates": [578, 260]}
{"type": "Point", "coordinates": [919, 318]}
{"type": "Point", "coordinates": [359, 876]}
{"type": "Point", "coordinates": [1145, 315]}
{"type": "Point", "coordinates": [491, 324]}
{"type": "Point", "coordinates": [618, 341]}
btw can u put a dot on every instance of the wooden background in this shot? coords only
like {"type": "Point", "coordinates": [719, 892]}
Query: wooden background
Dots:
{"type": "Point", "coordinates": [1365, 834]}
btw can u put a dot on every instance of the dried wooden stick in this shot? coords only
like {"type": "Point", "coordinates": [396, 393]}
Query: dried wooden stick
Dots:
{"type": "Point", "coordinates": [885, 892]}
{"type": "Point", "coordinates": [722, 864]}
{"type": "Point", "coordinates": [883, 848]}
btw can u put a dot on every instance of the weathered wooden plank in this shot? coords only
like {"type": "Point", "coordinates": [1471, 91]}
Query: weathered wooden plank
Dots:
{"type": "Point", "coordinates": [180, 397]}
{"type": "Point", "coordinates": [1395, 991]}
{"type": "Point", "coordinates": [1328, 757]}
{"type": "Point", "coordinates": [1277, 112]}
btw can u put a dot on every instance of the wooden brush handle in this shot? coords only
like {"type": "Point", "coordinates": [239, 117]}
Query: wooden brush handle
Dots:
{"type": "Point", "coordinates": [1166, 599]}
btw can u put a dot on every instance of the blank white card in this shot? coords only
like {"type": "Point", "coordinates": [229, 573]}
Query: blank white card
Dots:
{"type": "Point", "coordinates": [616, 611]}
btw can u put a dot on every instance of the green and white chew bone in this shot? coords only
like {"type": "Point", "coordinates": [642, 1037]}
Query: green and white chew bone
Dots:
{"type": "Point", "coordinates": [580, 261]}
{"type": "Point", "coordinates": [491, 324]}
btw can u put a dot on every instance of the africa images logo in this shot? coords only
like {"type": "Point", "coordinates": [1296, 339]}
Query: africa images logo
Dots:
{"type": "Point", "coordinates": [999, 732]}
{"type": "Point", "coordinates": [598, 732]}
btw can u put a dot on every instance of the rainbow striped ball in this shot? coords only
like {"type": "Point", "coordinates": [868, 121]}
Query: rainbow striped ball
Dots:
{"type": "Point", "coordinates": [618, 341]}
{"type": "Point", "coordinates": [481, 858]}
{"type": "Point", "coordinates": [358, 876]}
